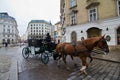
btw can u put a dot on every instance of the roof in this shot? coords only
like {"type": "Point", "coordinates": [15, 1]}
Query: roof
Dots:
{"type": "Point", "coordinates": [40, 21]}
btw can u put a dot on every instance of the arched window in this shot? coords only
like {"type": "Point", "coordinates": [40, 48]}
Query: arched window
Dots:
{"type": "Point", "coordinates": [8, 41]}
{"type": "Point", "coordinates": [3, 41]}
{"type": "Point", "coordinates": [73, 36]}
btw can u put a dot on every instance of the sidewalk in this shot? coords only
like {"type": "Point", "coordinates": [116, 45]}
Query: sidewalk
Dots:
{"type": "Point", "coordinates": [8, 67]}
{"type": "Point", "coordinates": [113, 55]}
{"type": "Point", "coordinates": [5, 64]}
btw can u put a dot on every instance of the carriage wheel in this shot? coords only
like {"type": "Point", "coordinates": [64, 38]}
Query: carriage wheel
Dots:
{"type": "Point", "coordinates": [45, 58]}
{"type": "Point", "coordinates": [25, 52]}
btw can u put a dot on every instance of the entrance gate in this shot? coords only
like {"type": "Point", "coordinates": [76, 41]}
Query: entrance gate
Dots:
{"type": "Point", "coordinates": [93, 32]}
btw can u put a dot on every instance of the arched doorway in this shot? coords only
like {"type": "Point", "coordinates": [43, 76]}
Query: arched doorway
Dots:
{"type": "Point", "coordinates": [118, 36]}
{"type": "Point", "coordinates": [73, 36]}
{"type": "Point", "coordinates": [93, 32]}
{"type": "Point", "coordinates": [8, 41]}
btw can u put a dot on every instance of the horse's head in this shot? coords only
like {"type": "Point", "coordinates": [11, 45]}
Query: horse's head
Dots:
{"type": "Point", "coordinates": [102, 44]}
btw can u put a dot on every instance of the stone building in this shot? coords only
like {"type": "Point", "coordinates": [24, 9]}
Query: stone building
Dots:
{"type": "Point", "coordinates": [58, 31]}
{"type": "Point", "coordinates": [8, 29]}
{"type": "Point", "coordinates": [82, 19]}
{"type": "Point", "coordinates": [37, 29]}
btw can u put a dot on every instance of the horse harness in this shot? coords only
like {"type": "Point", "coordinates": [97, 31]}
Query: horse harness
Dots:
{"type": "Point", "coordinates": [81, 51]}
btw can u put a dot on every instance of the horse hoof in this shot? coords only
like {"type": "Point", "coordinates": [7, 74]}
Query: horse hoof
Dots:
{"type": "Point", "coordinates": [84, 72]}
{"type": "Point", "coordinates": [68, 69]}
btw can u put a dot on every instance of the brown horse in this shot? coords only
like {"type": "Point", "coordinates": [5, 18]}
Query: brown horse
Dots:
{"type": "Point", "coordinates": [82, 49]}
{"type": "Point", "coordinates": [60, 52]}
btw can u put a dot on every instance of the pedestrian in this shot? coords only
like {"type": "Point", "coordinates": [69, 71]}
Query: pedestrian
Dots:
{"type": "Point", "coordinates": [6, 44]}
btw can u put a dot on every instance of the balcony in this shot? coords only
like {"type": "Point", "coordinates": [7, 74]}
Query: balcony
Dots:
{"type": "Point", "coordinates": [92, 3]}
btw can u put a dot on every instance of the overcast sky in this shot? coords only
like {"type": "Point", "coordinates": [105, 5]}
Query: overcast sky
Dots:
{"type": "Point", "coordinates": [26, 10]}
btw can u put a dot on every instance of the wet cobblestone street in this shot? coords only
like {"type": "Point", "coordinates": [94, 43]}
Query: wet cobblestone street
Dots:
{"type": "Point", "coordinates": [98, 70]}
{"type": "Point", "coordinates": [103, 67]}
{"type": "Point", "coordinates": [5, 63]}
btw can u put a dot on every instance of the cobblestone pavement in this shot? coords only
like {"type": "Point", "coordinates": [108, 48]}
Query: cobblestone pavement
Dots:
{"type": "Point", "coordinates": [103, 67]}
{"type": "Point", "coordinates": [7, 66]}
{"type": "Point", "coordinates": [98, 70]}
{"type": "Point", "coordinates": [113, 55]}
{"type": "Point", "coordinates": [5, 63]}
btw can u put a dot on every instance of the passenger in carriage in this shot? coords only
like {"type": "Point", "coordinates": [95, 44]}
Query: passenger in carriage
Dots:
{"type": "Point", "coordinates": [48, 41]}
{"type": "Point", "coordinates": [48, 38]}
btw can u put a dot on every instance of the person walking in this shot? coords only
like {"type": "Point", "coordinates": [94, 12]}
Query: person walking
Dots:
{"type": "Point", "coordinates": [6, 44]}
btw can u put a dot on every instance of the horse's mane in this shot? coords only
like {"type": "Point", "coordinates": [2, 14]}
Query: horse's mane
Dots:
{"type": "Point", "coordinates": [87, 41]}
{"type": "Point", "coordinates": [91, 41]}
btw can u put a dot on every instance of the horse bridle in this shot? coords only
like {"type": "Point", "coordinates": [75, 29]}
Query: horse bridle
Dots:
{"type": "Point", "coordinates": [103, 42]}
{"type": "Point", "coordinates": [84, 44]}
{"type": "Point", "coordinates": [96, 43]}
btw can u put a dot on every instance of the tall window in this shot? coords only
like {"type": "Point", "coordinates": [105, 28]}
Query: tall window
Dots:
{"type": "Point", "coordinates": [73, 36]}
{"type": "Point", "coordinates": [118, 7]}
{"type": "Point", "coordinates": [92, 14]}
{"type": "Point", "coordinates": [8, 30]}
{"type": "Point", "coordinates": [73, 18]}
{"type": "Point", "coordinates": [3, 41]}
{"type": "Point", "coordinates": [3, 30]}
{"type": "Point", "coordinates": [72, 3]}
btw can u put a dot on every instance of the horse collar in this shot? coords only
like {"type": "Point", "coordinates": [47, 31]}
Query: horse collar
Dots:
{"type": "Point", "coordinates": [84, 44]}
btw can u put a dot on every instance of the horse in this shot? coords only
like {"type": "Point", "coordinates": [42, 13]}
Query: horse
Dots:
{"type": "Point", "coordinates": [59, 51]}
{"type": "Point", "coordinates": [82, 50]}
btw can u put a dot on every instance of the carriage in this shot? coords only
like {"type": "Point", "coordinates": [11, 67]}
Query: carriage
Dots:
{"type": "Point", "coordinates": [38, 47]}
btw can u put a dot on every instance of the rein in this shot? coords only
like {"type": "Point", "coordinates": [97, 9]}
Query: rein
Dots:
{"type": "Point", "coordinates": [84, 44]}
{"type": "Point", "coordinates": [94, 45]}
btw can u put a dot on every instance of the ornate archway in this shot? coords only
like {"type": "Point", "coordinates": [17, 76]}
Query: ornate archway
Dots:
{"type": "Point", "coordinates": [73, 36]}
{"type": "Point", "coordinates": [118, 36]}
{"type": "Point", "coordinates": [93, 32]}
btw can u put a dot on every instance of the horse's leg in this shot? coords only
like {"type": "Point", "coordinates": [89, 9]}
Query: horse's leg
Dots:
{"type": "Point", "coordinates": [59, 60]}
{"type": "Point", "coordinates": [75, 64]}
{"type": "Point", "coordinates": [84, 64]}
{"type": "Point", "coordinates": [64, 59]}
{"type": "Point", "coordinates": [91, 58]}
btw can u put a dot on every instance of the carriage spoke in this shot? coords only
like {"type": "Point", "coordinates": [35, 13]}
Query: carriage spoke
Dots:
{"type": "Point", "coordinates": [45, 58]}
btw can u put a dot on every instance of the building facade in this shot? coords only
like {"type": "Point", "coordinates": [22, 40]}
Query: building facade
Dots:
{"type": "Point", "coordinates": [8, 32]}
{"type": "Point", "coordinates": [37, 29]}
{"type": "Point", "coordinates": [58, 31]}
{"type": "Point", "coordinates": [82, 19]}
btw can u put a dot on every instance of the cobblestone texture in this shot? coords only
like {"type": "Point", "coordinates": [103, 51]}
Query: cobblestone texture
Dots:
{"type": "Point", "coordinates": [98, 70]}
{"type": "Point", "coordinates": [5, 63]}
